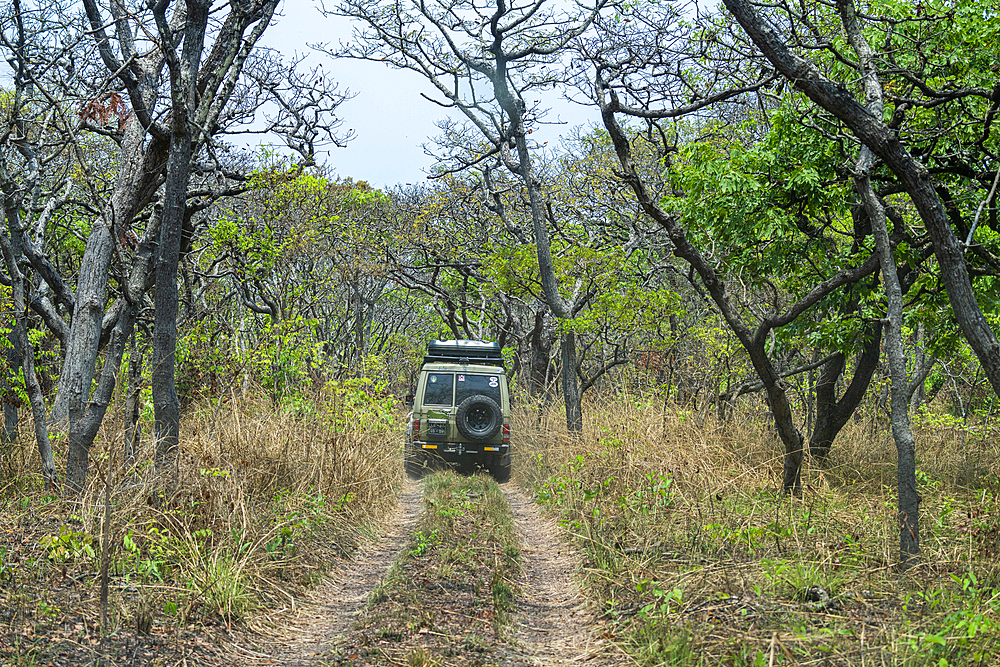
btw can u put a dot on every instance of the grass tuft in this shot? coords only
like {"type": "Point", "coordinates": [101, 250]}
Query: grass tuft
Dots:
{"type": "Point", "coordinates": [259, 503]}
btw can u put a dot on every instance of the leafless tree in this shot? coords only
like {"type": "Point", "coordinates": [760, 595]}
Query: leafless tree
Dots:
{"type": "Point", "coordinates": [485, 61]}
{"type": "Point", "coordinates": [123, 108]}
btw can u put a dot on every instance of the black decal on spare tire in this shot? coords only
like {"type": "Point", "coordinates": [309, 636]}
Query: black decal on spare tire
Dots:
{"type": "Point", "coordinates": [478, 418]}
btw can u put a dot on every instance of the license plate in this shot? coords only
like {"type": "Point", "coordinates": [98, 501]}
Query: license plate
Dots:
{"type": "Point", "coordinates": [437, 429]}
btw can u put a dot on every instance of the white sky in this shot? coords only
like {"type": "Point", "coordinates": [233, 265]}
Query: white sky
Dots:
{"type": "Point", "coordinates": [390, 119]}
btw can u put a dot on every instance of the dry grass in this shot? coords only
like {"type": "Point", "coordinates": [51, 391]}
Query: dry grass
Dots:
{"type": "Point", "coordinates": [257, 506]}
{"type": "Point", "coordinates": [700, 560]}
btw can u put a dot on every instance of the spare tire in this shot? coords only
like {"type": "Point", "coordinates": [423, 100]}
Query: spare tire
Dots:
{"type": "Point", "coordinates": [478, 418]}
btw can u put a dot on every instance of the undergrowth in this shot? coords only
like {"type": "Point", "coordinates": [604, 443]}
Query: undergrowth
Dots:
{"type": "Point", "coordinates": [697, 558]}
{"type": "Point", "coordinates": [256, 507]}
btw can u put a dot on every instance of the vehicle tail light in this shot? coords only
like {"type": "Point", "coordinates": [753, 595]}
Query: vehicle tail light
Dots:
{"type": "Point", "coordinates": [506, 434]}
{"type": "Point", "coordinates": [416, 427]}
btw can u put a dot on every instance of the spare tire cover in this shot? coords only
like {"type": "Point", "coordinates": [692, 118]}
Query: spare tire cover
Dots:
{"type": "Point", "coordinates": [478, 418]}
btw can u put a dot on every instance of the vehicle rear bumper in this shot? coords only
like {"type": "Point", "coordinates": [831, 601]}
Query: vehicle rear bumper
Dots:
{"type": "Point", "coordinates": [463, 451]}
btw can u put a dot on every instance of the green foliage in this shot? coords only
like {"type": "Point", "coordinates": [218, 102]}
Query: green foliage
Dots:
{"type": "Point", "coordinates": [424, 542]}
{"type": "Point", "coordinates": [310, 513]}
{"type": "Point", "coordinates": [6, 568]}
{"type": "Point", "coordinates": [221, 581]}
{"type": "Point", "coordinates": [791, 579]}
{"type": "Point", "coordinates": [147, 564]}
{"type": "Point", "coordinates": [653, 497]}
{"type": "Point", "coordinates": [658, 639]}
{"type": "Point", "coordinates": [624, 303]}
{"type": "Point", "coordinates": [69, 545]}
{"type": "Point", "coordinates": [285, 358]}
{"type": "Point", "coordinates": [747, 202]}
{"type": "Point", "coordinates": [359, 405]}
{"type": "Point", "coordinates": [298, 257]}
{"type": "Point", "coordinates": [46, 356]}
{"type": "Point", "coordinates": [966, 622]}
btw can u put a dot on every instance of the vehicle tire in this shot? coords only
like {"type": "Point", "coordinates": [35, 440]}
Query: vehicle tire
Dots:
{"type": "Point", "coordinates": [414, 463]}
{"type": "Point", "coordinates": [501, 471]}
{"type": "Point", "coordinates": [478, 418]}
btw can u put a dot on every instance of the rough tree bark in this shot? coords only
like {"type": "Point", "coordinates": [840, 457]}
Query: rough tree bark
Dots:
{"type": "Point", "coordinates": [514, 108]}
{"type": "Point", "coordinates": [832, 414]}
{"type": "Point", "coordinates": [117, 81]}
{"type": "Point", "coordinates": [183, 80]}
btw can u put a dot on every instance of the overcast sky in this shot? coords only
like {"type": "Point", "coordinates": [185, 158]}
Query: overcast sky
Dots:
{"type": "Point", "coordinates": [390, 119]}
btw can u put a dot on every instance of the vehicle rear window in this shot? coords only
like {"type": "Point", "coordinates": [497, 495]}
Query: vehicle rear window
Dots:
{"type": "Point", "coordinates": [438, 391]}
{"type": "Point", "coordinates": [479, 385]}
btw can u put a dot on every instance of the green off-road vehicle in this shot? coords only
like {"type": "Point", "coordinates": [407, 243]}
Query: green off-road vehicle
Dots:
{"type": "Point", "coordinates": [461, 409]}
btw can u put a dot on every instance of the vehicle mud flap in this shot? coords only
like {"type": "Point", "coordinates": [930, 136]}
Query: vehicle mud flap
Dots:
{"type": "Point", "coordinates": [500, 470]}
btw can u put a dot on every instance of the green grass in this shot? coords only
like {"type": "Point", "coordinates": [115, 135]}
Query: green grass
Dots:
{"type": "Point", "coordinates": [697, 558]}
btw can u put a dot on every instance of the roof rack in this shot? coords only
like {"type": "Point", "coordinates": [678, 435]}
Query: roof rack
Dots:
{"type": "Point", "coordinates": [464, 352]}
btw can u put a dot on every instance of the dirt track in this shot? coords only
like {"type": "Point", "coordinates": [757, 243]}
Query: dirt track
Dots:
{"type": "Point", "coordinates": [553, 626]}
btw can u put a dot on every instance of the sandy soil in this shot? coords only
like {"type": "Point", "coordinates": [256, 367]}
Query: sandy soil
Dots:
{"type": "Point", "coordinates": [556, 627]}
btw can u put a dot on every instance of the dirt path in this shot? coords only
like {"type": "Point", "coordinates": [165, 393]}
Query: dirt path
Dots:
{"type": "Point", "coordinates": [334, 606]}
{"type": "Point", "coordinates": [555, 627]}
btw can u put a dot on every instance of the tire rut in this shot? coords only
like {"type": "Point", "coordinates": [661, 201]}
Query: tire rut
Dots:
{"type": "Point", "coordinates": [334, 606]}
{"type": "Point", "coordinates": [555, 624]}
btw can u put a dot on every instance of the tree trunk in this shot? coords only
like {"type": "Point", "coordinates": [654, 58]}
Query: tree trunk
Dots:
{"type": "Point", "coordinates": [27, 355]}
{"type": "Point", "coordinates": [919, 396]}
{"type": "Point", "coordinates": [139, 167]}
{"type": "Point", "coordinates": [133, 407]}
{"type": "Point", "coordinates": [752, 341]}
{"type": "Point", "coordinates": [146, 148]}
{"type": "Point", "coordinates": [84, 429]}
{"type": "Point", "coordinates": [539, 354]}
{"type": "Point", "coordinates": [11, 400]}
{"type": "Point", "coordinates": [831, 414]}
{"type": "Point", "coordinates": [561, 308]}
{"type": "Point", "coordinates": [906, 478]}
{"type": "Point", "coordinates": [183, 77]}
{"type": "Point", "coordinates": [571, 384]}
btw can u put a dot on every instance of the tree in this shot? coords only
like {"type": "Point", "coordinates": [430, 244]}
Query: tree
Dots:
{"type": "Point", "coordinates": [909, 500]}
{"type": "Point", "coordinates": [914, 69]}
{"type": "Point", "coordinates": [97, 100]}
{"type": "Point", "coordinates": [483, 62]}
{"type": "Point", "coordinates": [467, 252]}
{"type": "Point", "coordinates": [887, 143]}
{"type": "Point", "coordinates": [299, 267]}
{"type": "Point", "coordinates": [718, 197]}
